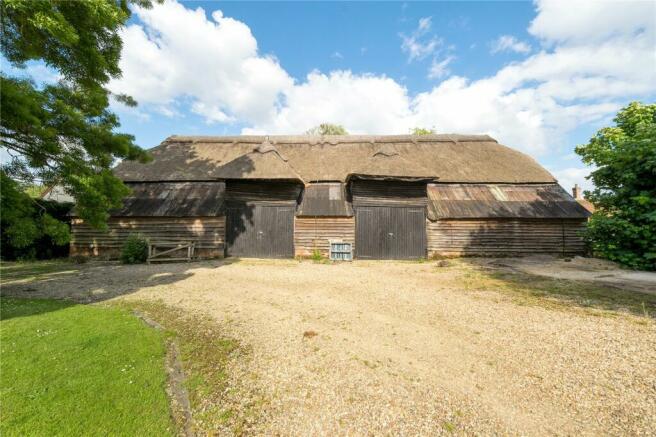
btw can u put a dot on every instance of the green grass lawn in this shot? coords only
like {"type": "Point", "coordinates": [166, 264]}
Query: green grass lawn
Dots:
{"type": "Point", "coordinates": [71, 369]}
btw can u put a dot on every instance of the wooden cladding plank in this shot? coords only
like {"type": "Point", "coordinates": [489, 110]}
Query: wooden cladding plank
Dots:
{"type": "Point", "coordinates": [315, 233]}
{"type": "Point", "coordinates": [494, 236]}
{"type": "Point", "coordinates": [377, 193]}
{"type": "Point", "coordinates": [262, 191]}
{"type": "Point", "coordinates": [261, 231]}
{"type": "Point", "coordinates": [207, 233]}
{"type": "Point", "coordinates": [390, 232]}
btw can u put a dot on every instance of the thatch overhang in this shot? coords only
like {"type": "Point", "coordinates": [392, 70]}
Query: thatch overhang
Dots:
{"type": "Point", "coordinates": [451, 158]}
{"type": "Point", "coordinates": [456, 201]}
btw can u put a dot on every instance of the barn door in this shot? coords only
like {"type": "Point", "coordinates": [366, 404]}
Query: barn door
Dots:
{"type": "Point", "coordinates": [408, 233]}
{"type": "Point", "coordinates": [390, 232]}
{"type": "Point", "coordinates": [276, 234]}
{"type": "Point", "coordinates": [260, 231]}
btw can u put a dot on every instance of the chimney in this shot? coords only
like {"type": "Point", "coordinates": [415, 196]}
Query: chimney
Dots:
{"type": "Point", "coordinates": [576, 192]}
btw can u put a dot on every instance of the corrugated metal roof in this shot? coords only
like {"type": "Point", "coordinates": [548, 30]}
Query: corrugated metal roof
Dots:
{"type": "Point", "coordinates": [173, 199]}
{"type": "Point", "coordinates": [502, 201]}
{"type": "Point", "coordinates": [325, 200]}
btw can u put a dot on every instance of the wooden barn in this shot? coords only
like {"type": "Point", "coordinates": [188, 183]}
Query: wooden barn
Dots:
{"type": "Point", "coordinates": [384, 197]}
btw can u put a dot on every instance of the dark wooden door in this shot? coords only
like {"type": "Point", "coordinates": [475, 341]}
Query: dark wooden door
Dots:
{"type": "Point", "coordinates": [390, 232]}
{"type": "Point", "coordinates": [260, 231]}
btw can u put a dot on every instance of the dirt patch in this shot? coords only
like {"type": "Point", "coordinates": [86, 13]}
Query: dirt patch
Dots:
{"type": "Point", "coordinates": [175, 389]}
{"type": "Point", "coordinates": [309, 334]}
{"type": "Point", "coordinates": [180, 406]}
{"type": "Point", "coordinates": [406, 348]}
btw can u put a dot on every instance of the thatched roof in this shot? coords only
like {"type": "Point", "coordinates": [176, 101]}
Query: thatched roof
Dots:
{"type": "Point", "coordinates": [502, 201]}
{"type": "Point", "coordinates": [264, 162]}
{"type": "Point", "coordinates": [447, 158]}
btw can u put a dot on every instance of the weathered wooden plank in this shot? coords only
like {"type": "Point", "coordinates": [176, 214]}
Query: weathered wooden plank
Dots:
{"type": "Point", "coordinates": [505, 236]}
{"type": "Point", "coordinates": [377, 193]}
{"type": "Point", "coordinates": [315, 233]}
{"type": "Point", "coordinates": [207, 234]}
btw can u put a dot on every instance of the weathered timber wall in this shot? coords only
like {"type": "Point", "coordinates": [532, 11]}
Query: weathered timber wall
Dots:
{"type": "Point", "coordinates": [505, 237]}
{"type": "Point", "coordinates": [314, 233]}
{"type": "Point", "coordinates": [207, 232]}
{"type": "Point", "coordinates": [380, 193]}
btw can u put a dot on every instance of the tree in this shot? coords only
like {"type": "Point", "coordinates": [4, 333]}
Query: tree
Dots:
{"type": "Point", "coordinates": [62, 133]}
{"type": "Point", "coordinates": [623, 227]}
{"type": "Point", "coordinates": [327, 129]}
{"type": "Point", "coordinates": [422, 131]}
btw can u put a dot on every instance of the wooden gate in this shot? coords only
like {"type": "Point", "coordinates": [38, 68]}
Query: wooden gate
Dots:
{"type": "Point", "coordinates": [260, 231]}
{"type": "Point", "coordinates": [390, 232]}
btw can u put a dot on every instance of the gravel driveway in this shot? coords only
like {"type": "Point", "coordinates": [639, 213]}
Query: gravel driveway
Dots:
{"type": "Point", "coordinates": [402, 348]}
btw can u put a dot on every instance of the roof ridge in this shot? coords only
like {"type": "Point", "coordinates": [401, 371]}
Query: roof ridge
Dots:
{"type": "Point", "coordinates": [331, 139]}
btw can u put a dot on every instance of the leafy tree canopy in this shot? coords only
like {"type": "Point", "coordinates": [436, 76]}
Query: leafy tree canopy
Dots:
{"type": "Point", "coordinates": [62, 133]}
{"type": "Point", "coordinates": [422, 131]}
{"type": "Point", "coordinates": [623, 227]}
{"type": "Point", "coordinates": [327, 129]}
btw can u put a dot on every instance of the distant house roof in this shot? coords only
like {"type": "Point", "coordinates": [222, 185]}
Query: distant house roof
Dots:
{"type": "Point", "coordinates": [502, 201]}
{"type": "Point", "coordinates": [56, 193]}
{"type": "Point", "coordinates": [585, 203]}
{"type": "Point", "coordinates": [447, 158]}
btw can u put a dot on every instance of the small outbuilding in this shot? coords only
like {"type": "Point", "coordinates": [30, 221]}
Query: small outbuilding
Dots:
{"type": "Point", "coordinates": [387, 197]}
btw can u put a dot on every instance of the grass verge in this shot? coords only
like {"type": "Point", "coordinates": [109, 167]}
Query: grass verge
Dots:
{"type": "Point", "coordinates": [218, 403]}
{"type": "Point", "coordinates": [71, 369]}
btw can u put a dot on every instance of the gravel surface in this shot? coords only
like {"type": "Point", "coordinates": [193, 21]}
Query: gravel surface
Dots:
{"type": "Point", "coordinates": [584, 269]}
{"type": "Point", "coordinates": [401, 349]}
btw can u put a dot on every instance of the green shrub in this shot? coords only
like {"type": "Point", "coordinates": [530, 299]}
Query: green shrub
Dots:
{"type": "Point", "coordinates": [316, 255]}
{"type": "Point", "coordinates": [79, 259]}
{"type": "Point", "coordinates": [134, 250]}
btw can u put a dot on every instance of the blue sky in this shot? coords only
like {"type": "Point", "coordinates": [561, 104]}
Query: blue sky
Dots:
{"type": "Point", "coordinates": [540, 77]}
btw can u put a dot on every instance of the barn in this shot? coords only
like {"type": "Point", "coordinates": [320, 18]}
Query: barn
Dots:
{"type": "Point", "coordinates": [384, 197]}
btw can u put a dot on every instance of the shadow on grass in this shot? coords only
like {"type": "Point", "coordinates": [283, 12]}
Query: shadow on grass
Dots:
{"type": "Point", "coordinates": [532, 289]}
{"type": "Point", "coordinates": [12, 308]}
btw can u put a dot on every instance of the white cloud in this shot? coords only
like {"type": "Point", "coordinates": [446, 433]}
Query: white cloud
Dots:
{"type": "Point", "coordinates": [37, 71]}
{"type": "Point", "coordinates": [439, 69]}
{"type": "Point", "coordinates": [337, 55]}
{"type": "Point", "coordinates": [362, 103]}
{"type": "Point", "coordinates": [179, 52]}
{"type": "Point", "coordinates": [508, 43]}
{"type": "Point", "coordinates": [567, 177]}
{"type": "Point", "coordinates": [419, 44]}
{"type": "Point", "coordinates": [590, 21]}
{"type": "Point", "coordinates": [425, 24]}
